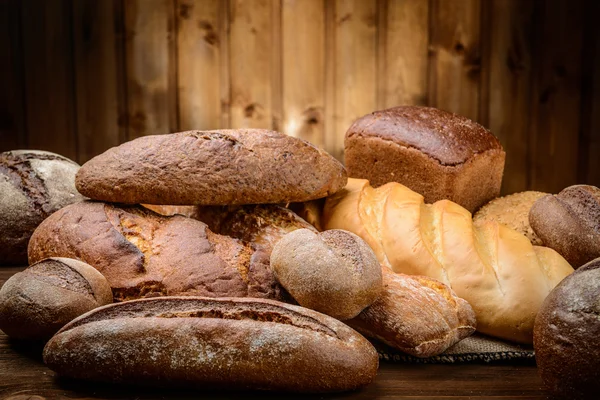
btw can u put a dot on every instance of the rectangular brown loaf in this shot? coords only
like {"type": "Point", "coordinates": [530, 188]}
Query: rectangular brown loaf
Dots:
{"type": "Point", "coordinates": [222, 343]}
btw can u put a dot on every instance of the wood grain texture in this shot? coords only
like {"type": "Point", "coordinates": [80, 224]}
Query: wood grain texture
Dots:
{"type": "Point", "coordinates": [403, 55]}
{"type": "Point", "coordinates": [199, 41]}
{"type": "Point", "coordinates": [303, 49]}
{"type": "Point", "coordinates": [98, 76]}
{"type": "Point", "coordinates": [355, 67]}
{"type": "Point", "coordinates": [24, 376]}
{"type": "Point", "coordinates": [556, 105]}
{"type": "Point", "coordinates": [151, 67]}
{"type": "Point", "coordinates": [510, 84]}
{"type": "Point", "coordinates": [455, 56]}
{"type": "Point", "coordinates": [48, 75]}
{"type": "Point", "coordinates": [12, 122]}
{"type": "Point", "coordinates": [253, 73]}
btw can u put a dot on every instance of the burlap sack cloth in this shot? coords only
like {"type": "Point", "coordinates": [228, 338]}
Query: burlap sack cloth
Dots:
{"type": "Point", "coordinates": [476, 348]}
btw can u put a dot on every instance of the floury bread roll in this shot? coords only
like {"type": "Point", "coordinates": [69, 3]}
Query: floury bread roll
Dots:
{"type": "Point", "coordinates": [33, 184]}
{"type": "Point", "coordinates": [496, 269]}
{"type": "Point", "coordinates": [570, 223]}
{"type": "Point", "coordinates": [213, 343]}
{"type": "Point", "coordinates": [433, 152]}
{"type": "Point", "coordinates": [143, 254]}
{"type": "Point", "coordinates": [221, 167]}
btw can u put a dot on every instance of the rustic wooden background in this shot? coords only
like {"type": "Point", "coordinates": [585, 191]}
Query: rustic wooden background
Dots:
{"type": "Point", "coordinates": [80, 76]}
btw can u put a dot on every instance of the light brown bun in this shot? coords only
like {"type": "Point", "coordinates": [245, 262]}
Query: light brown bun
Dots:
{"type": "Point", "coordinates": [37, 302]}
{"type": "Point", "coordinates": [417, 315]}
{"type": "Point", "coordinates": [570, 223]}
{"type": "Point", "coordinates": [221, 167]}
{"type": "Point", "coordinates": [433, 152]}
{"type": "Point", "coordinates": [143, 254]}
{"type": "Point", "coordinates": [213, 343]}
{"type": "Point", "coordinates": [33, 185]}
{"type": "Point", "coordinates": [567, 335]}
{"type": "Point", "coordinates": [496, 269]}
{"type": "Point", "coordinates": [512, 211]}
{"type": "Point", "coordinates": [334, 272]}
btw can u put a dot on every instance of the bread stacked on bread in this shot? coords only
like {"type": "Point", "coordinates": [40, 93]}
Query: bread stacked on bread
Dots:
{"type": "Point", "coordinates": [496, 269]}
{"type": "Point", "coordinates": [435, 153]}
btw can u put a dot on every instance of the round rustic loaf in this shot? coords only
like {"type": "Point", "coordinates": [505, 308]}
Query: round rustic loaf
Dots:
{"type": "Point", "coordinates": [512, 211]}
{"type": "Point", "coordinates": [36, 303]}
{"type": "Point", "coordinates": [34, 184]}
{"type": "Point", "coordinates": [569, 223]}
{"type": "Point", "coordinates": [566, 337]}
{"type": "Point", "coordinates": [334, 272]}
{"type": "Point", "coordinates": [223, 167]}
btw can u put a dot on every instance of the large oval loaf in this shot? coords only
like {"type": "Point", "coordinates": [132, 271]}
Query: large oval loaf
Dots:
{"type": "Point", "coordinates": [223, 167]}
{"type": "Point", "coordinates": [221, 343]}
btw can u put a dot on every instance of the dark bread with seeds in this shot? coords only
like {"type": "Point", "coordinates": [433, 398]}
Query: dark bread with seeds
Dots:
{"type": "Point", "coordinates": [569, 223]}
{"type": "Point", "coordinates": [33, 184]}
{"type": "Point", "coordinates": [566, 336]}
{"type": "Point", "coordinates": [437, 154]}
{"type": "Point", "coordinates": [37, 302]}
{"type": "Point", "coordinates": [144, 254]}
{"type": "Point", "coordinates": [221, 167]}
{"type": "Point", "coordinates": [213, 343]}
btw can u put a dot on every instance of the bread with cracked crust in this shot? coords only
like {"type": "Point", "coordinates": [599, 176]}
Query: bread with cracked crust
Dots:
{"type": "Point", "coordinates": [433, 152]}
{"type": "Point", "coordinates": [144, 254]}
{"type": "Point", "coordinates": [221, 167]}
{"type": "Point", "coordinates": [496, 269]}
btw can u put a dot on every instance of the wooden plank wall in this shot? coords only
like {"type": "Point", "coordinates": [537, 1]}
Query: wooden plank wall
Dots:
{"type": "Point", "coordinates": [80, 76]}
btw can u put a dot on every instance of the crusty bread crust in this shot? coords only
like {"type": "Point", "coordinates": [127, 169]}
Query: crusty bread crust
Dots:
{"type": "Point", "coordinates": [214, 343]}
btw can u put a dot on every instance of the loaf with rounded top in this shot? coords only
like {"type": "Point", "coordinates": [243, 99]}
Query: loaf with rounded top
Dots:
{"type": "Point", "coordinates": [221, 343]}
{"type": "Point", "coordinates": [144, 254]}
{"type": "Point", "coordinates": [512, 211]}
{"type": "Point", "coordinates": [496, 269]}
{"type": "Point", "coordinates": [567, 335]}
{"type": "Point", "coordinates": [33, 184]}
{"type": "Point", "coordinates": [334, 272]}
{"type": "Point", "coordinates": [569, 222]}
{"type": "Point", "coordinates": [433, 152]}
{"type": "Point", "coordinates": [416, 315]}
{"type": "Point", "coordinates": [38, 301]}
{"type": "Point", "coordinates": [221, 167]}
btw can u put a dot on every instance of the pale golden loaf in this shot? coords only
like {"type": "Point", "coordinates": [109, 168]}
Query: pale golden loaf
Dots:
{"type": "Point", "coordinates": [494, 268]}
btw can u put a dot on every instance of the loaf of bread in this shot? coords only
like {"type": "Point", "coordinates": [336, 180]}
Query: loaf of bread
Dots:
{"type": "Point", "coordinates": [417, 315]}
{"type": "Point", "coordinates": [33, 184]}
{"type": "Point", "coordinates": [224, 167]}
{"type": "Point", "coordinates": [496, 269]}
{"type": "Point", "coordinates": [435, 153]}
{"type": "Point", "coordinates": [512, 211]}
{"type": "Point", "coordinates": [187, 211]}
{"type": "Point", "coordinates": [570, 223]}
{"type": "Point", "coordinates": [213, 343]}
{"type": "Point", "coordinates": [567, 335]}
{"type": "Point", "coordinates": [334, 272]}
{"type": "Point", "coordinates": [143, 254]}
{"type": "Point", "coordinates": [37, 302]}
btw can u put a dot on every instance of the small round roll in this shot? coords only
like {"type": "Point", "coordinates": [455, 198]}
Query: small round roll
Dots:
{"type": "Point", "coordinates": [334, 272]}
{"type": "Point", "coordinates": [36, 303]}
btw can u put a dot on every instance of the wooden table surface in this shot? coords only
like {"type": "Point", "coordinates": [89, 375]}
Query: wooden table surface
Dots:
{"type": "Point", "coordinates": [23, 376]}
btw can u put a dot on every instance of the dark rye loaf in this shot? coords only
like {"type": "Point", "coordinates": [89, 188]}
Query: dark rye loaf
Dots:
{"type": "Point", "coordinates": [33, 184]}
{"type": "Point", "coordinates": [222, 167]}
{"type": "Point", "coordinates": [213, 343]}
{"type": "Point", "coordinates": [433, 152]}
{"type": "Point", "coordinates": [144, 254]}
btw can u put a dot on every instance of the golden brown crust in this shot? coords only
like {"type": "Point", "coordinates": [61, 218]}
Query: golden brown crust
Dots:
{"type": "Point", "coordinates": [143, 254]}
{"type": "Point", "coordinates": [497, 270]}
{"type": "Point", "coordinates": [37, 302]}
{"type": "Point", "coordinates": [512, 211]}
{"type": "Point", "coordinates": [417, 315]}
{"type": "Point", "coordinates": [193, 340]}
{"type": "Point", "coordinates": [221, 167]}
